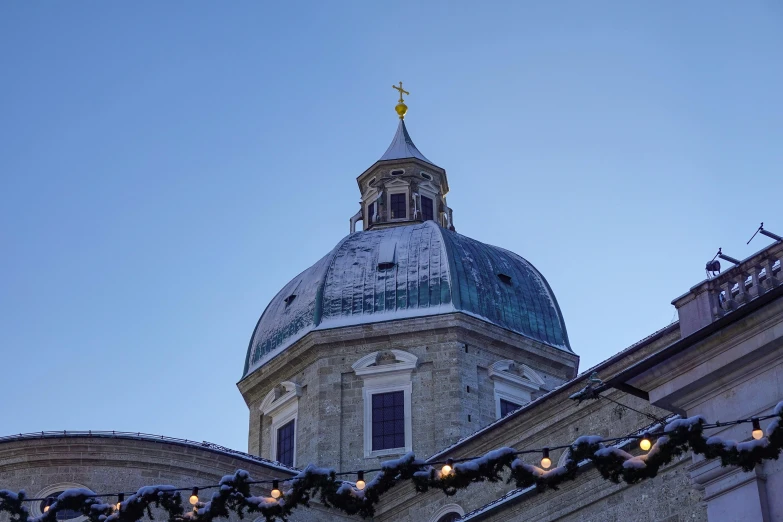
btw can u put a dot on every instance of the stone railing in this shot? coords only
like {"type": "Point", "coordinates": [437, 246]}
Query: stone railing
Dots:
{"type": "Point", "coordinates": [713, 298]}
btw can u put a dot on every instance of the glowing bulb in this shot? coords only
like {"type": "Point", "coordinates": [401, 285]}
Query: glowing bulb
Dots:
{"type": "Point", "coordinates": [194, 497]}
{"type": "Point", "coordinates": [757, 433]}
{"type": "Point", "coordinates": [48, 504]}
{"type": "Point", "coordinates": [546, 462]}
{"type": "Point", "coordinates": [275, 489]}
{"type": "Point", "coordinates": [360, 484]}
{"type": "Point", "coordinates": [120, 498]}
{"type": "Point", "coordinates": [645, 444]}
{"type": "Point", "coordinates": [446, 469]}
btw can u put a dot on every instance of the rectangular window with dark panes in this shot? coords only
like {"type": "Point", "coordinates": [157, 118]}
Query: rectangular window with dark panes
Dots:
{"type": "Point", "coordinates": [507, 407]}
{"type": "Point", "coordinates": [426, 209]}
{"type": "Point", "coordinates": [399, 208]}
{"type": "Point", "coordinates": [388, 420]}
{"type": "Point", "coordinates": [370, 213]}
{"type": "Point", "coordinates": [285, 444]}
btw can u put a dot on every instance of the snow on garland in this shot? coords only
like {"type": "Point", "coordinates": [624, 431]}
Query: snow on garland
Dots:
{"type": "Point", "coordinates": [233, 494]}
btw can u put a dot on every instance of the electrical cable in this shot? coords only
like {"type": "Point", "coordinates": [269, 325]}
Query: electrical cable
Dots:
{"type": "Point", "coordinates": [637, 434]}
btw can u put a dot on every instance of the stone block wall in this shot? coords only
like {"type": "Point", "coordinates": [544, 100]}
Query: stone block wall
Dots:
{"type": "Point", "coordinates": [126, 464]}
{"type": "Point", "coordinates": [451, 393]}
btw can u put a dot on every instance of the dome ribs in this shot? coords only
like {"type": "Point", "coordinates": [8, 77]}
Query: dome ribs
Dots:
{"type": "Point", "coordinates": [434, 271]}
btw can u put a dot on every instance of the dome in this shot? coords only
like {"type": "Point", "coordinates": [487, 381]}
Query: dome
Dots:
{"type": "Point", "coordinates": [409, 271]}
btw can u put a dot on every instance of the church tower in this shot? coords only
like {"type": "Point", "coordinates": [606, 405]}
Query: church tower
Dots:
{"type": "Point", "coordinates": [403, 186]}
{"type": "Point", "coordinates": [405, 337]}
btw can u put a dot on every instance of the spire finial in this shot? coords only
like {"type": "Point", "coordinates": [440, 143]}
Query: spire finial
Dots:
{"type": "Point", "coordinates": [401, 108]}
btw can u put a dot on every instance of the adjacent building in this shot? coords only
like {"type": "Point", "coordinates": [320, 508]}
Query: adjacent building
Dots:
{"type": "Point", "coordinates": [408, 336]}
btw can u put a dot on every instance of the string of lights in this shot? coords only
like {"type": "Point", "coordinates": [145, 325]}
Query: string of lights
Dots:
{"type": "Point", "coordinates": [645, 443]}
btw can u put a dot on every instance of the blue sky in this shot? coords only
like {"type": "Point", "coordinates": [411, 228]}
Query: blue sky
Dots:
{"type": "Point", "coordinates": [166, 167]}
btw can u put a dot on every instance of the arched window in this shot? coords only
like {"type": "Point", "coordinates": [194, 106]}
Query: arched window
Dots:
{"type": "Point", "coordinates": [448, 513]}
{"type": "Point", "coordinates": [52, 492]}
{"type": "Point", "coordinates": [65, 514]}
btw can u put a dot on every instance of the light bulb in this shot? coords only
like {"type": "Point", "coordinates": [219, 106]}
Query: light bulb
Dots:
{"type": "Point", "coordinates": [645, 444]}
{"type": "Point", "coordinates": [757, 433]}
{"type": "Point", "coordinates": [360, 484]}
{"type": "Point", "coordinates": [446, 469]}
{"type": "Point", "coordinates": [275, 489]}
{"type": "Point", "coordinates": [120, 498]}
{"type": "Point", "coordinates": [546, 462]}
{"type": "Point", "coordinates": [194, 497]}
{"type": "Point", "coordinates": [48, 504]}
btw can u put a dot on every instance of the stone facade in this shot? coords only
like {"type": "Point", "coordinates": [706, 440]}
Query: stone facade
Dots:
{"type": "Point", "coordinates": [126, 463]}
{"type": "Point", "coordinates": [452, 396]}
{"type": "Point", "coordinates": [554, 420]}
{"type": "Point", "coordinates": [723, 359]}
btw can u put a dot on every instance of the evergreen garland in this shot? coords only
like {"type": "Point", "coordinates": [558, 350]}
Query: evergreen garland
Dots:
{"type": "Point", "coordinates": [234, 496]}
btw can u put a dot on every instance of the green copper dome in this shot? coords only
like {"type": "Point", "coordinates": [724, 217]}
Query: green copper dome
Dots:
{"type": "Point", "coordinates": [409, 271]}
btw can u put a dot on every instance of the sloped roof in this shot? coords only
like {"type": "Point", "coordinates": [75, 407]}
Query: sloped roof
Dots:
{"type": "Point", "coordinates": [402, 146]}
{"type": "Point", "coordinates": [409, 271]}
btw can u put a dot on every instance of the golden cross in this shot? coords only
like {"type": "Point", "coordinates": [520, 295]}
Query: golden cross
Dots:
{"type": "Point", "coordinates": [402, 91]}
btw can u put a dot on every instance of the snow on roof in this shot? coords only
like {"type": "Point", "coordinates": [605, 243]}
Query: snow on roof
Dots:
{"type": "Point", "coordinates": [551, 393]}
{"type": "Point", "coordinates": [523, 492]}
{"type": "Point", "coordinates": [432, 271]}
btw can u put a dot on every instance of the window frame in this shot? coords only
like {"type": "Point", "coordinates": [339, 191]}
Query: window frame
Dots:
{"type": "Point", "coordinates": [405, 201]}
{"type": "Point", "coordinates": [384, 378]}
{"type": "Point", "coordinates": [508, 386]}
{"type": "Point", "coordinates": [393, 383]}
{"type": "Point", "coordinates": [422, 197]}
{"type": "Point", "coordinates": [512, 403]}
{"type": "Point", "coordinates": [282, 417]}
{"type": "Point", "coordinates": [281, 411]}
{"type": "Point", "coordinates": [372, 418]}
{"type": "Point", "coordinates": [35, 507]}
{"type": "Point", "coordinates": [447, 510]}
{"type": "Point", "coordinates": [293, 442]}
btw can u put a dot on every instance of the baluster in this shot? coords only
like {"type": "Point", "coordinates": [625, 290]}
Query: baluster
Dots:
{"type": "Point", "coordinates": [754, 274]}
{"type": "Point", "coordinates": [770, 281]}
{"type": "Point", "coordinates": [728, 301]}
{"type": "Point", "coordinates": [742, 295]}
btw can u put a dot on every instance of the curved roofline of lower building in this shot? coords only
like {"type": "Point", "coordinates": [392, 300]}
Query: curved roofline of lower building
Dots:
{"type": "Point", "coordinates": [148, 437]}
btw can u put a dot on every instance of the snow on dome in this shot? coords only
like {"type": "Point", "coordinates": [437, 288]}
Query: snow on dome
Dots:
{"type": "Point", "coordinates": [409, 271]}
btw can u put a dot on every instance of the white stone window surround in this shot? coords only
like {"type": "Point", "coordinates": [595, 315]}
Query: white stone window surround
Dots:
{"type": "Point", "coordinates": [383, 378]}
{"type": "Point", "coordinates": [372, 196]}
{"type": "Point", "coordinates": [35, 508]}
{"type": "Point", "coordinates": [398, 187]}
{"type": "Point", "coordinates": [447, 509]}
{"type": "Point", "coordinates": [282, 410]}
{"type": "Point", "coordinates": [512, 387]}
{"type": "Point", "coordinates": [428, 191]}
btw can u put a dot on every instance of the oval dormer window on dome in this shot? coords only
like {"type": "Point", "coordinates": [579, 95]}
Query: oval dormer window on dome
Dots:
{"type": "Point", "coordinates": [397, 172]}
{"type": "Point", "coordinates": [426, 176]}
